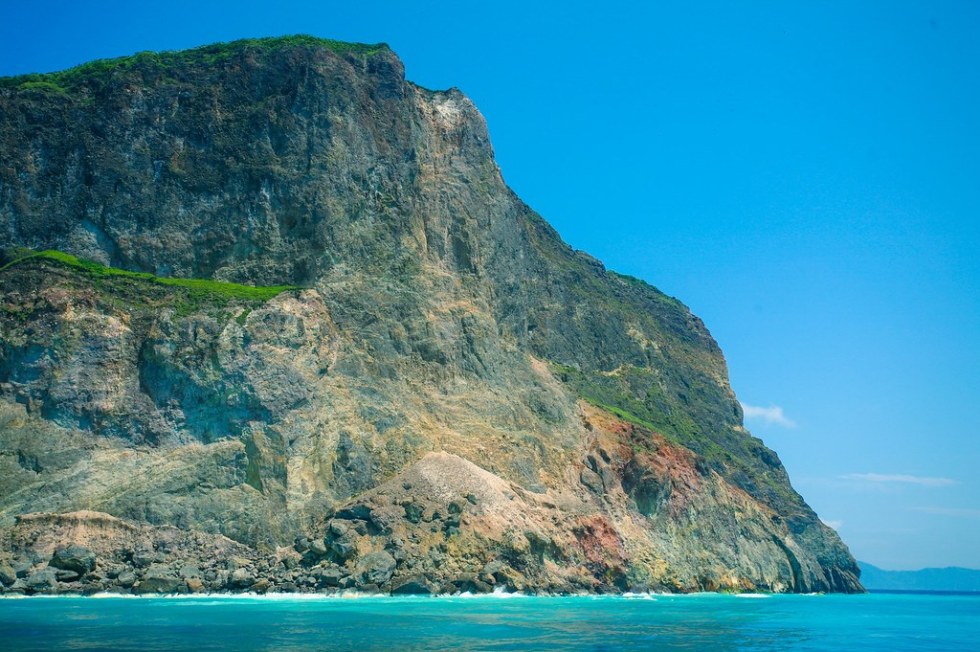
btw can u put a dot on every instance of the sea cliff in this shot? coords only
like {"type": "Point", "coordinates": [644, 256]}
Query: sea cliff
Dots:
{"type": "Point", "coordinates": [270, 319]}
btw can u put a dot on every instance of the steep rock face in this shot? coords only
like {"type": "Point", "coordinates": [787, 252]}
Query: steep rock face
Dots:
{"type": "Point", "coordinates": [441, 329]}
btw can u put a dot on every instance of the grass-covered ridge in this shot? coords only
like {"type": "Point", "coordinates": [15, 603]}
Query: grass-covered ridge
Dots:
{"type": "Point", "coordinates": [196, 289]}
{"type": "Point", "coordinates": [66, 80]}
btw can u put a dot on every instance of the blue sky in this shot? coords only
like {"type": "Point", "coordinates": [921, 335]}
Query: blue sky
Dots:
{"type": "Point", "coordinates": [804, 175]}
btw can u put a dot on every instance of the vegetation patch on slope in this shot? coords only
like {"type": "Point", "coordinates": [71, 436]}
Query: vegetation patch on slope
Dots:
{"type": "Point", "coordinates": [730, 452]}
{"type": "Point", "coordinates": [195, 291]}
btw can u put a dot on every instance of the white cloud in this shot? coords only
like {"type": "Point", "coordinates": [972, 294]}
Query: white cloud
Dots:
{"type": "Point", "coordinates": [892, 478]}
{"type": "Point", "coordinates": [772, 415]}
{"type": "Point", "coordinates": [833, 524]}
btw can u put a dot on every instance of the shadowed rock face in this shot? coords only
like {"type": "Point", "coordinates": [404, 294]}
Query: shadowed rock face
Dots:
{"type": "Point", "coordinates": [452, 390]}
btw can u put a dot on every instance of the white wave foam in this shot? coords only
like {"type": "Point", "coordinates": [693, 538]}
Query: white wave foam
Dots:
{"type": "Point", "coordinates": [499, 593]}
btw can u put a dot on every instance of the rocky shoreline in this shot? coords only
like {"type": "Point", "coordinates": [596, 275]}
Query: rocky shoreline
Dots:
{"type": "Point", "coordinates": [164, 560]}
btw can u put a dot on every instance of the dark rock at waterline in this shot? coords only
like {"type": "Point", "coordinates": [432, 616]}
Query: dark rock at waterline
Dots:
{"type": "Point", "coordinates": [472, 584]}
{"type": "Point", "coordinates": [330, 577]}
{"type": "Point", "coordinates": [417, 585]}
{"type": "Point", "coordinates": [126, 579]}
{"type": "Point", "coordinates": [158, 585]}
{"type": "Point", "coordinates": [241, 578]}
{"type": "Point", "coordinates": [375, 568]}
{"type": "Point", "coordinates": [158, 578]}
{"type": "Point", "coordinates": [42, 581]}
{"type": "Point", "coordinates": [261, 586]}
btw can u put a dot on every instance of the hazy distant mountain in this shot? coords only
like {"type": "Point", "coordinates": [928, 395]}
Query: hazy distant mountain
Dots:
{"type": "Point", "coordinates": [927, 579]}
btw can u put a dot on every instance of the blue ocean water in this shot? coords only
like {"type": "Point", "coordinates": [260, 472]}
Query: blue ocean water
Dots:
{"type": "Point", "coordinates": [699, 622]}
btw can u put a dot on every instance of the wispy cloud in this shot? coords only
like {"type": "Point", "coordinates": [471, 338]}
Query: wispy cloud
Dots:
{"type": "Point", "coordinates": [772, 415]}
{"type": "Point", "coordinates": [893, 478]}
{"type": "Point", "coordinates": [833, 524]}
{"type": "Point", "coordinates": [950, 511]}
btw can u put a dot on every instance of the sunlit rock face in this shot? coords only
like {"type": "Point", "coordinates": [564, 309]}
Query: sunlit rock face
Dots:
{"type": "Point", "coordinates": [445, 398]}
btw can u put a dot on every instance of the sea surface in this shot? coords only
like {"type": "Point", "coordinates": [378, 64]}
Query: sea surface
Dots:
{"type": "Point", "coordinates": [658, 622]}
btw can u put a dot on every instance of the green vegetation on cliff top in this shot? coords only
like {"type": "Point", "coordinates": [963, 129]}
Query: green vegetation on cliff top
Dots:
{"type": "Point", "coordinates": [208, 55]}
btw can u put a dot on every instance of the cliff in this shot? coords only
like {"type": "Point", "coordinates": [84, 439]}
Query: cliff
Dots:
{"type": "Point", "coordinates": [280, 294]}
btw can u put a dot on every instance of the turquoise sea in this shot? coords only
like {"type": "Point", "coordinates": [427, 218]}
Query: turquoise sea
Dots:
{"type": "Point", "coordinates": [659, 622]}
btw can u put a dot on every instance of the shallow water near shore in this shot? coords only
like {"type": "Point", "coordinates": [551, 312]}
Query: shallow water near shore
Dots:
{"type": "Point", "coordinates": [661, 622]}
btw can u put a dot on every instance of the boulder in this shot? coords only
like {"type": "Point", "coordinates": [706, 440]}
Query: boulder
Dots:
{"type": "Point", "coordinates": [417, 585]}
{"type": "Point", "coordinates": [301, 544]}
{"type": "Point", "coordinates": [188, 571]}
{"type": "Point", "coordinates": [330, 577]}
{"type": "Point", "coordinates": [42, 581]}
{"type": "Point", "coordinates": [448, 588]}
{"type": "Point", "coordinates": [66, 575]}
{"type": "Point", "coordinates": [159, 578]}
{"type": "Point", "coordinates": [261, 586]}
{"type": "Point", "coordinates": [126, 578]}
{"type": "Point", "coordinates": [354, 512]}
{"type": "Point", "coordinates": [375, 568]}
{"type": "Point", "coordinates": [143, 559]}
{"type": "Point", "coordinates": [338, 529]}
{"type": "Point", "coordinates": [318, 548]}
{"type": "Point", "coordinates": [241, 578]}
{"type": "Point", "coordinates": [22, 567]}
{"type": "Point", "coordinates": [342, 539]}
{"type": "Point", "coordinates": [158, 585]}
{"type": "Point", "coordinates": [343, 548]}
{"type": "Point", "coordinates": [470, 583]}
{"type": "Point", "coordinates": [7, 574]}
{"type": "Point", "coordinates": [73, 558]}
{"type": "Point", "coordinates": [360, 527]}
